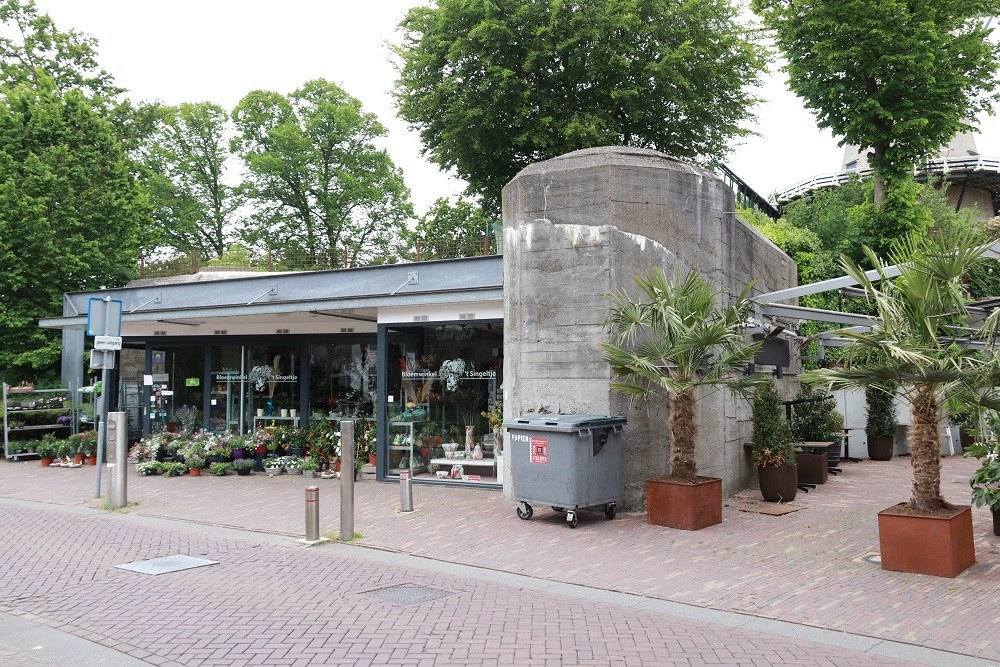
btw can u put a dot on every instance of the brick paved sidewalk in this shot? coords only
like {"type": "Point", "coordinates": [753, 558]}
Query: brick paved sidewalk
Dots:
{"type": "Point", "coordinates": [272, 604]}
{"type": "Point", "coordinates": [806, 567]}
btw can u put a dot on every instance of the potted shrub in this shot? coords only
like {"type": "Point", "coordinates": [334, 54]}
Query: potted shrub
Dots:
{"type": "Point", "coordinates": [273, 466]}
{"type": "Point", "coordinates": [173, 468]}
{"type": "Point", "coordinates": [911, 344]}
{"type": "Point", "coordinates": [812, 422]}
{"type": "Point", "coordinates": [88, 444]}
{"type": "Point", "coordinates": [771, 444]}
{"type": "Point", "coordinates": [194, 462]}
{"type": "Point", "coordinates": [219, 468]}
{"type": "Point", "coordinates": [985, 482]}
{"type": "Point", "coordinates": [296, 442]}
{"type": "Point", "coordinates": [880, 424]}
{"type": "Point", "coordinates": [46, 449]}
{"type": "Point", "coordinates": [243, 467]}
{"type": "Point", "coordinates": [671, 345]}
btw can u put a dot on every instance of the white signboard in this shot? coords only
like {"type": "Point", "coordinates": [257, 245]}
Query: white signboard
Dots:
{"type": "Point", "coordinates": [107, 342]}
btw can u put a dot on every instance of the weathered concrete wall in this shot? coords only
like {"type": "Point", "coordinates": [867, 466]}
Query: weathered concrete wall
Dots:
{"type": "Point", "coordinates": [582, 225]}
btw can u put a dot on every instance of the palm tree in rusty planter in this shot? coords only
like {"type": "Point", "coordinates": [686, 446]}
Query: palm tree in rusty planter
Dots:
{"type": "Point", "coordinates": [921, 314]}
{"type": "Point", "coordinates": [676, 340]}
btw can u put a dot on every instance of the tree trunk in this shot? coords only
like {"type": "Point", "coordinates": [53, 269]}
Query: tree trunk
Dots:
{"type": "Point", "coordinates": [925, 452]}
{"type": "Point", "coordinates": [682, 427]}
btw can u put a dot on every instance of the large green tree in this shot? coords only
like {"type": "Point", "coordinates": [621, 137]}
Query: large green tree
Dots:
{"type": "Point", "coordinates": [495, 85]}
{"type": "Point", "coordinates": [187, 157]}
{"type": "Point", "coordinates": [70, 214]}
{"type": "Point", "coordinates": [900, 77]}
{"type": "Point", "coordinates": [319, 182]}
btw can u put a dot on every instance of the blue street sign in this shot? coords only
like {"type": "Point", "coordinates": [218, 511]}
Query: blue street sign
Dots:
{"type": "Point", "coordinates": [104, 318]}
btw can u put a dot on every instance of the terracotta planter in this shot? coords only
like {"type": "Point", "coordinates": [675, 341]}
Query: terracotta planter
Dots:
{"type": "Point", "coordinates": [47, 461]}
{"type": "Point", "coordinates": [939, 546]}
{"type": "Point", "coordinates": [371, 459]}
{"type": "Point", "coordinates": [677, 504]}
{"type": "Point", "coordinates": [90, 460]}
{"type": "Point", "coordinates": [880, 448]}
{"type": "Point", "coordinates": [813, 468]}
{"type": "Point", "coordinates": [336, 465]}
{"type": "Point", "coordinates": [195, 472]}
{"type": "Point", "coordinates": [778, 483]}
{"type": "Point", "coordinates": [78, 458]}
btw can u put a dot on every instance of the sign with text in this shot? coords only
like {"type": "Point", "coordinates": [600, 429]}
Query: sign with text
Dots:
{"type": "Point", "coordinates": [107, 342]}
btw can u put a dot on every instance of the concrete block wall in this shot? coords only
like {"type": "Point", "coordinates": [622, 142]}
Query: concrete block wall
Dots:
{"type": "Point", "coordinates": [581, 226]}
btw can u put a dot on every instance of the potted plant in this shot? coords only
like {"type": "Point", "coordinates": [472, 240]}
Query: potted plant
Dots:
{"type": "Point", "coordinates": [880, 424]}
{"type": "Point", "coordinates": [671, 345]}
{"type": "Point", "coordinates": [771, 445]}
{"type": "Point", "coordinates": [985, 482]}
{"type": "Point", "coordinates": [174, 468]}
{"type": "Point", "coordinates": [46, 449]}
{"type": "Point", "coordinates": [293, 465]}
{"type": "Point", "coordinates": [243, 467]}
{"type": "Point", "coordinates": [88, 445]}
{"type": "Point", "coordinates": [273, 466]}
{"type": "Point", "coordinates": [812, 421]}
{"type": "Point", "coordinates": [309, 466]}
{"type": "Point", "coordinates": [219, 468]}
{"type": "Point", "coordinates": [494, 416]}
{"type": "Point", "coordinates": [911, 344]}
{"type": "Point", "coordinates": [194, 462]}
{"type": "Point", "coordinates": [296, 442]}
{"type": "Point", "coordinates": [148, 468]}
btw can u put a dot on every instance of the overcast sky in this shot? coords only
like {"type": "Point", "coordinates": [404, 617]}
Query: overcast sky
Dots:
{"type": "Point", "coordinates": [218, 50]}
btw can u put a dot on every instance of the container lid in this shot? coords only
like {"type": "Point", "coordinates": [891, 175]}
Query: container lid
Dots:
{"type": "Point", "coordinates": [562, 422]}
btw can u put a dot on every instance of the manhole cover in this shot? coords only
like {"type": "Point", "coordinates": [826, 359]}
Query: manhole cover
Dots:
{"type": "Point", "coordinates": [166, 564]}
{"type": "Point", "coordinates": [409, 594]}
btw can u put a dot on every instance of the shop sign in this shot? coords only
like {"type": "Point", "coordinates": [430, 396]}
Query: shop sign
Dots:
{"type": "Point", "coordinates": [192, 382]}
{"type": "Point", "coordinates": [539, 450]}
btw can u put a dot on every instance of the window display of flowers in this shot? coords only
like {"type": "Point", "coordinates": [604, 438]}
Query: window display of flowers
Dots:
{"type": "Point", "coordinates": [451, 372]}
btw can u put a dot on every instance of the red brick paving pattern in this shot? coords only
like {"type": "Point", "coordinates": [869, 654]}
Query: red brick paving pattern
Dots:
{"type": "Point", "coordinates": [279, 605]}
{"type": "Point", "coordinates": [804, 567]}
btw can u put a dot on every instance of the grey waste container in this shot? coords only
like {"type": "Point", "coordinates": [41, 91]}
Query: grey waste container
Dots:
{"type": "Point", "coordinates": [569, 462]}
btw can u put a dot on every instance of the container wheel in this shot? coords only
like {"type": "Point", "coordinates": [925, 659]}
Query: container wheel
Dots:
{"type": "Point", "coordinates": [526, 512]}
{"type": "Point", "coordinates": [609, 511]}
{"type": "Point", "coordinates": [558, 509]}
{"type": "Point", "coordinates": [572, 520]}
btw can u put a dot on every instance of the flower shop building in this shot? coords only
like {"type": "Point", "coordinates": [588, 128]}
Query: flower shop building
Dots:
{"type": "Point", "coordinates": [414, 350]}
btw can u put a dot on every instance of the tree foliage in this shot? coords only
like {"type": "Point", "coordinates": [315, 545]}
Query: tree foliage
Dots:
{"type": "Point", "coordinates": [39, 50]}
{"type": "Point", "coordinates": [674, 342]}
{"type": "Point", "coordinates": [496, 85]}
{"type": "Point", "coordinates": [187, 155]}
{"type": "Point", "coordinates": [452, 230]}
{"type": "Point", "coordinates": [70, 215]}
{"type": "Point", "coordinates": [319, 183]}
{"type": "Point", "coordinates": [899, 76]}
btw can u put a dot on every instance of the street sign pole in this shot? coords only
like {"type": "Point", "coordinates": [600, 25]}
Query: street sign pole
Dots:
{"type": "Point", "coordinates": [106, 315]}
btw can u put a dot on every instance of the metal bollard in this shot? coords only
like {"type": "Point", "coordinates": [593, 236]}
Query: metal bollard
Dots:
{"type": "Point", "coordinates": [406, 490]}
{"type": "Point", "coordinates": [312, 514]}
{"type": "Point", "coordinates": [347, 480]}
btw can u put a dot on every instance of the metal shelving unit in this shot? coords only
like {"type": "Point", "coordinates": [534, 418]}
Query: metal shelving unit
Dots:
{"type": "Point", "coordinates": [40, 429]}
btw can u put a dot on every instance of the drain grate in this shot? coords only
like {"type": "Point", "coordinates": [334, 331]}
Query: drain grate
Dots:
{"type": "Point", "coordinates": [166, 564]}
{"type": "Point", "coordinates": [404, 594]}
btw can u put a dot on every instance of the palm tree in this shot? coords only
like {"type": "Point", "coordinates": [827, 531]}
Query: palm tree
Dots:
{"type": "Point", "coordinates": [913, 344]}
{"type": "Point", "coordinates": [673, 343]}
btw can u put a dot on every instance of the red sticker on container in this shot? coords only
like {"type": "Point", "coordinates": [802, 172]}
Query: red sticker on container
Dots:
{"type": "Point", "coordinates": [539, 450]}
